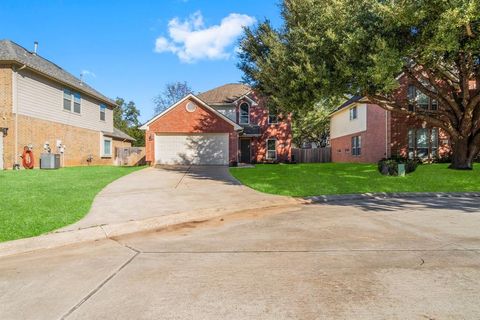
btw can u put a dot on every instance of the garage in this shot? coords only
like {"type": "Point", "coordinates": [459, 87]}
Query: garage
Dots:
{"type": "Point", "coordinates": [197, 149]}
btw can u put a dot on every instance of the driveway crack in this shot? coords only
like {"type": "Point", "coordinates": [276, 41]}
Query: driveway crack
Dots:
{"type": "Point", "coordinates": [181, 179]}
{"type": "Point", "coordinates": [100, 286]}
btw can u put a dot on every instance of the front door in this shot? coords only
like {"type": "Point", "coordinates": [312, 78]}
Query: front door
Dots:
{"type": "Point", "coordinates": [245, 151]}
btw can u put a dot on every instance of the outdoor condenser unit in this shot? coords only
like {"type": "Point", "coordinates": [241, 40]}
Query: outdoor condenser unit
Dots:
{"type": "Point", "coordinates": [49, 161]}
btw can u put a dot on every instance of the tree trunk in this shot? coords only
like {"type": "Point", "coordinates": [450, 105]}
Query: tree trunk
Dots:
{"type": "Point", "coordinates": [462, 158]}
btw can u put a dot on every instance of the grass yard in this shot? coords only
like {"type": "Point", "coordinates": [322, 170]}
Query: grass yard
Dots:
{"type": "Point", "coordinates": [309, 179]}
{"type": "Point", "coordinates": [33, 202]}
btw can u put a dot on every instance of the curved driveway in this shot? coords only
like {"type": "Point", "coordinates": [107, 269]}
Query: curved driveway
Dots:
{"type": "Point", "coordinates": [154, 192]}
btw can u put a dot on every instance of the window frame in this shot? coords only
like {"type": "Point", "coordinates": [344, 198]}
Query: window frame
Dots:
{"type": "Point", "coordinates": [272, 114]}
{"type": "Point", "coordinates": [102, 147]}
{"type": "Point", "coordinates": [356, 146]}
{"type": "Point", "coordinates": [103, 111]}
{"type": "Point", "coordinates": [74, 99]}
{"type": "Point", "coordinates": [413, 96]}
{"type": "Point", "coordinates": [67, 95]}
{"type": "Point", "coordinates": [240, 113]}
{"type": "Point", "coordinates": [432, 140]}
{"type": "Point", "coordinates": [353, 111]}
{"type": "Point", "coordinates": [268, 150]}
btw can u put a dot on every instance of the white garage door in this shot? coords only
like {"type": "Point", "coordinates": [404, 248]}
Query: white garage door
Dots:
{"type": "Point", "coordinates": [201, 149]}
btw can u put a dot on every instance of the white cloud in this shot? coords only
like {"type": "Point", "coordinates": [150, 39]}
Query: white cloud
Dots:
{"type": "Point", "coordinates": [191, 40]}
{"type": "Point", "coordinates": [88, 73]}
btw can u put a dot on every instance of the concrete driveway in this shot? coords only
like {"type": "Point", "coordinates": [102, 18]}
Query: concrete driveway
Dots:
{"type": "Point", "coordinates": [399, 259]}
{"type": "Point", "coordinates": [154, 192]}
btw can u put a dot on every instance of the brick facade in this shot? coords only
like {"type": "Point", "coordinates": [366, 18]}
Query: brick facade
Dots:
{"type": "Point", "coordinates": [374, 145]}
{"type": "Point", "coordinates": [179, 120]}
{"type": "Point", "coordinates": [388, 137]}
{"type": "Point", "coordinates": [281, 131]}
{"type": "Point", "coordinates": [80, 143]}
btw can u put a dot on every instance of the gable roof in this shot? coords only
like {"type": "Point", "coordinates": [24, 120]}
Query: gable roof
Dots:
{"type": "Point", "coordinates": [12, 52]}
{"type": "Point", "coordinates": [201, 102]}
{"type": "Point", "coordinates": [348, 103]}
{"type": "Point", "coordinates": [225, 94]}
{"type": "Point", "coordinates": [119, 134]}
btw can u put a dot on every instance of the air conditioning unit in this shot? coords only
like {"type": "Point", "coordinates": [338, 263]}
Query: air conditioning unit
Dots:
{"type": "Point", "coordinates": [49, 161]}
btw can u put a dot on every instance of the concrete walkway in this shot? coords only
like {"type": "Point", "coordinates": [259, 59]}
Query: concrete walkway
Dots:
{"type": "Point", "coordinates": [155, 192]}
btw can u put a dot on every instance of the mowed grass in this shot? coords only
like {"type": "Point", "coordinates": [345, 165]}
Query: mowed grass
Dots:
{"type": "Point", "coordinates": [311, 179]}
{"type": "Point", "coordinates": [33, 202]}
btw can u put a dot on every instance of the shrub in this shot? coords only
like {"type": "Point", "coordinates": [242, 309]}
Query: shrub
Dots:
{"type": "Point", "coordinates": [389, 167]}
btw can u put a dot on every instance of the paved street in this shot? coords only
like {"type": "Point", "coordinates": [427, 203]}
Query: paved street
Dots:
{"type": "Point", "coordinates": [398, 259]}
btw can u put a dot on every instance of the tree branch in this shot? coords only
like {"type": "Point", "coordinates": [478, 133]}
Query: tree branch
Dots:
{"type": "Point", "coordinates": [393, 106]}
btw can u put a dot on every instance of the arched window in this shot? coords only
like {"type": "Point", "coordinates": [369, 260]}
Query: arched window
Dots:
{"type": "Point", "coordinates": [244, 116]}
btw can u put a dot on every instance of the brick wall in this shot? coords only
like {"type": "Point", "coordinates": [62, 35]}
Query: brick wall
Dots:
{"type": "Point", "coordinates": [179, 120]}
{"type": "Point", "coordinates": [373, 140]}
{"type": "Point", "coordinates": [79, 142]}
{"type": "Point", "coordinates": [281, 131]}
{"type": "Point", "coordinates": [6, 110]}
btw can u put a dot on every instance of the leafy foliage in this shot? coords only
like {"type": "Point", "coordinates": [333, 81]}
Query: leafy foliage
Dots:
{"type": "Point", "coordinates": [173, 92]}
{"type": "Point", "coordinates": [125, 118]}
{"type": "Point", "coordinates": [328, 49]}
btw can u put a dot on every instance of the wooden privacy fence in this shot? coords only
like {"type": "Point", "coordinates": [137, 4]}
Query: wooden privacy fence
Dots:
{"type": "Point", "coordinates": [129, 156]}
{"type": "Point", "coordinates": [312, 155]}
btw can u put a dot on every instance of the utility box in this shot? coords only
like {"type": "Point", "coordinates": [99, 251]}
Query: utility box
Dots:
{"type": "Point", "coordinates": [401, 170]}
{"type": "Point", "coordinates": [49, 161]}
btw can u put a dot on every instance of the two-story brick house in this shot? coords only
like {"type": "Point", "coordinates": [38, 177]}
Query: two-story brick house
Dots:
{"type": "Point", "coordinates": [41, 103]}
{"type": "Point", "coordinates": [361, 131]}
{"type": "Point", "coordinates": [223, 126]}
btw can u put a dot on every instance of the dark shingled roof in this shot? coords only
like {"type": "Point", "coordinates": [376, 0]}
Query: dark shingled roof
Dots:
{"type": "Point", "coordinates": [12, 52]}
{"type": "Point", "coordinates": [225, 94]}
{"type": "Point", "coordinates": [118, 134]}
{"type": "Point", "coordinates": [348, 103]}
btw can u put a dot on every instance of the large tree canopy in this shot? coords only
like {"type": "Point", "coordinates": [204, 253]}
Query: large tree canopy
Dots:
{"type": "Point", "coordinates": [329, 49]}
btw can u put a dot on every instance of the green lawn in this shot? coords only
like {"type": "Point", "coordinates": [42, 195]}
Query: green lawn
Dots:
{"type": "Point", "coordinates": [33, 202]}
{"type": "Point", "coordinates": [311, 179]}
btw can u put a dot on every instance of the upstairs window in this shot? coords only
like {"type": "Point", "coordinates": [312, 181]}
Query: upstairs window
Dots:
{"type": "Point", "coordinates": [72, 101]}
{"type": "Point", "coordinates": [353, 113]}
{"type": "Point", "coordinates": [244, 116]}
{"type": "Point", "coordinates": [417, 98]}
{"type": "Point", "coordinates": [67, 100]}
{"type": "Point", "coordinates": [356, 146]}
{"type": "Point", "coordinates": [76, 102]}
{"type": "Point", "coordinates": [102, 112]}
{"type": "Point", "coordinates": [272, 116]}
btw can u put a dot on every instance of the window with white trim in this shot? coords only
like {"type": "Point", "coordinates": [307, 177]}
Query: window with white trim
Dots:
{"type": "Point", "coordinates": [422, 143]}
{"type": "Point", "coordinates": [356, 146]}
{"type": "Point", "coordinates": [271, 149]}
{"type": "Point", "coordinates": [353, 113]}
{"type": "Point", "coordinates": [244, 113]}
{"type": "Point", "coordinates": [72, 101]}
{"type": "Point", "coordinates": [103, 109]}
{"type": "Point", "coordinates": [67, 100]}
{"type": "Point", "coordinates": [272, 116]}
{"type": "Point", "coordinates": [417, 98]}
{"type": "Point", "coordinates": [106, 147]}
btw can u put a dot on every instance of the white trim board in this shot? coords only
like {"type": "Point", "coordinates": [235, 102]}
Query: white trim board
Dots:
{"type": "Point", "coordinates": [191, 96]}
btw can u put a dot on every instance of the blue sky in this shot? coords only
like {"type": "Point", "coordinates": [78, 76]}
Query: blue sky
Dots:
{"type": "Point", "coordinates": [132, 48]}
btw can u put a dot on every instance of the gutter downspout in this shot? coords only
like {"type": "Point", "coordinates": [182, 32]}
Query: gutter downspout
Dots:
{"type": "Point", "coordinates": [16, 165]}
{"type": "Point", "coordinates": [386, 134]}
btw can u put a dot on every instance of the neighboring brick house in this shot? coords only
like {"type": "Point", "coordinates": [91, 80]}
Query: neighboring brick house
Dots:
{"type": "Point", "coordinates": [42, 103]}
{"type": "Point", "coordinates": [364, 132]}
{"type": "Point", "coordinates": [223, 126]}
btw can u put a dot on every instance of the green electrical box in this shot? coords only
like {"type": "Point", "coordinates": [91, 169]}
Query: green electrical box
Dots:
{"type": "Point", "coordinates": [401, 170]}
